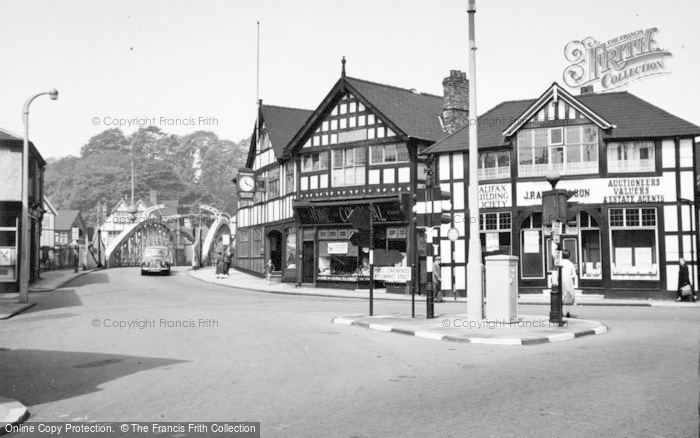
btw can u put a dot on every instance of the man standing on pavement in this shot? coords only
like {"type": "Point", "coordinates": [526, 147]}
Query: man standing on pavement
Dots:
{"type": "Point", "coordinates": [437, 279]}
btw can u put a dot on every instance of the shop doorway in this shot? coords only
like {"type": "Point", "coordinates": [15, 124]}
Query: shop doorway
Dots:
{"type": "Point", "coordinates": [309, 264]}
{"type": "Point", "coordinates": [274, 243]}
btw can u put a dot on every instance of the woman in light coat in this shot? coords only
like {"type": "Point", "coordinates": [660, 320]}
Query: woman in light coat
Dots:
{"type": "Point", "coordinates": [568, 274]}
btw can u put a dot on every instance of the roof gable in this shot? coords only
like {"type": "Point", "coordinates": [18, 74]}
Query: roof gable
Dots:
{"type": "Point", "coordinates": [48, 206]}
{"type": "Point", "coordinates": [398, 111]}
{"type": "Point", "coordinates": [66, 218]}
{"type": "Point", "coordinates": [280, 124]}
{"type": "Point", "coordinates": [554, 95]}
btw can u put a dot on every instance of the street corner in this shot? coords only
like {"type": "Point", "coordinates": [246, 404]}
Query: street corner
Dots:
{"type": "Point", "coordinates": [526, 330]}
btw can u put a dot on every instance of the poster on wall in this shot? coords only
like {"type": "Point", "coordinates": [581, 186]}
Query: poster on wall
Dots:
{"type": "Point", "coordinates": [337, 247]}
{"type": "Point", "coordinates": [643, 257]}
{"type": "Point", "coordinates": [623, 257]}
{"type": "Point", "coordinates": [492, 242]}
{"type": "Point", "coordinates": [531, 241]}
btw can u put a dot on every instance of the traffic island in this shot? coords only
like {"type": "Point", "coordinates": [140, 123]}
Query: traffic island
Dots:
{"type": "Point", "coordinates": [526, 330]}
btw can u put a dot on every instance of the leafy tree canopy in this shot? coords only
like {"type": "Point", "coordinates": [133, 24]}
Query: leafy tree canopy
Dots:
{"type": "Point", "coordinates": [193, 168]}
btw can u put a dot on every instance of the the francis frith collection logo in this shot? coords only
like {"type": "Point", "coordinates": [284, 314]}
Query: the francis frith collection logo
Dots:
{"type": "Point", "coordinates": [616, 62]}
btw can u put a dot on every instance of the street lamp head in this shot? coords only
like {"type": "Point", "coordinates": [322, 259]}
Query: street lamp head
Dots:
{"type": "Point", "coordinates": [553, 177]}
{"type": "Point", "coordinates": [53, 94]}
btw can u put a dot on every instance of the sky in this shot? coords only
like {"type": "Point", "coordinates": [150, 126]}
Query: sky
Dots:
{"type": "Point", "coordinates": [186, 65]}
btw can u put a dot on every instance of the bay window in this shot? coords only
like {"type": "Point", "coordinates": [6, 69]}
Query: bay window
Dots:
{"type": "Point", "coordinates": [568, 149]}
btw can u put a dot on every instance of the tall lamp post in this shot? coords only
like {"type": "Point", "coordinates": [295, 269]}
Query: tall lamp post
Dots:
{"type": "Point", "coordinates": [475, 300]}
{"type": "Point", "coordinates": [24, 252]}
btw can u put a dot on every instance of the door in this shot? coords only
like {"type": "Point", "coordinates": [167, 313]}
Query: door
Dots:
{"type": "Point", "coordinates": [309, 263]}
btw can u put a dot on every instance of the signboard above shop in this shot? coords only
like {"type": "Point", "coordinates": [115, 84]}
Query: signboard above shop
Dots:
{"type": "Point", "coordinates": [625, 190]}
{"type": "Point", "coordinates": [382, 212]}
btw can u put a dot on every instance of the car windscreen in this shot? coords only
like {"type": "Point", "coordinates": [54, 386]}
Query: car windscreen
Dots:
{"type": "Point", "coordinates": [155, 252]}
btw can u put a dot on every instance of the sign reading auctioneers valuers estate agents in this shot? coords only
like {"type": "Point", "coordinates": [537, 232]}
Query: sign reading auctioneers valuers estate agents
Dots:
{"type": "Point", "coordinates": [614, 63]}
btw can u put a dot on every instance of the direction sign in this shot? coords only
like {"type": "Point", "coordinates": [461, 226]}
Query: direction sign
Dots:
{"type": "Point", "coordinates": [392, 274]}
{"type": "Point", "coordinates": [75, 233]}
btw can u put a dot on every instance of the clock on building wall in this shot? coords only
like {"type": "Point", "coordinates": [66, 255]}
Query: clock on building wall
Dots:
{"type": "Point", "coordinates": [245, 183]}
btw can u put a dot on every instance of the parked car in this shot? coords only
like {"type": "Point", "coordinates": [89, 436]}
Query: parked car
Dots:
{"type": "Point", "coordinates": [156, 259]}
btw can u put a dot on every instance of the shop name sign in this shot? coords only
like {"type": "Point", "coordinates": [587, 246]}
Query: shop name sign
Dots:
{"type": "Point", "coordinates": [614, 63]}
{"type": "Point", "coordinates": [633, 190]}
{"type": "Point", "coordinates": [495, 195]}
{"type": "Point", "coordinates": [604, 190]}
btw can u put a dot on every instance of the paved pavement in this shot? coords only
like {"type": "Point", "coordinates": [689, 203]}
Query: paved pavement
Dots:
{"type": "Point", "coordinates": [251, 282]}
{"type": "Point", "coordinates": [49, 281]}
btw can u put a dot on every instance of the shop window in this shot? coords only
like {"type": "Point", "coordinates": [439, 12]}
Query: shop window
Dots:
{"type": "Point", "coordinates": [314, 162]}
{"type": "Point", "coordinates": [494, 165]}
{"type": "Point", "coordinates": [256, 242]}
{"type": "Point", "coordinates": [631, 157]}
{"type": "Point", "coordinates": [243, 245]}
{"type": "Point", "coordinates": [349, 167]}
{"type": "Point", "coordinates": [495, 233]}
{"type": "Point", "coordinates": [531, 248]}
{"type": "Point", "coordinates": [337, 258]}
{"type": "Point", "coordinates": [291, 250]}
{"type": "Point", "coordinates": [633, 244]}
{"type": "Point", "coordinates": [570, 150]}
{"type": "Point", "coordinates": [591, 258]}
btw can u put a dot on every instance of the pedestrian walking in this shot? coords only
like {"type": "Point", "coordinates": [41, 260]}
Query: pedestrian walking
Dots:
{"type": "Point", "coordinates": [568, 274]}
{"type": "Point", "coordinates": [437, 279]}
{"type": "Point", "coordinates": [268, 271]}
{"type": "Point", "coordinates": [220, 265]}
{"type": "Point", "coordinates": [228, 258]}
{"type": "Point", "coordinates": [685, 287]}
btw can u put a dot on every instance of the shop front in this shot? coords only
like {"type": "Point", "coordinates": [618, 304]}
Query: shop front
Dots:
{"type": "Point", "coordinates": [617, 242]}
{"type": "Point", "coordinates": [335, 252]}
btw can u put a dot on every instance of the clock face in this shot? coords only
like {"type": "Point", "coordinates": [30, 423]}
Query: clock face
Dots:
{"type": "Point", "coordinates": [246, 183]}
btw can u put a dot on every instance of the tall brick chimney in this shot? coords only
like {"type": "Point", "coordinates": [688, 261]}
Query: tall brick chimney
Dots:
{"type": "Point", "coordinates": [455, 107]}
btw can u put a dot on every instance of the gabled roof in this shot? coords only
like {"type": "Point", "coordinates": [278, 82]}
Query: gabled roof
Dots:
{"type": "Point", "coordinates": [15, 140]}
{"type": "Point", "coordinates": [66, 218]}
{"type": "Point", "coordinates": [414, 114]}
{"type": "Point", "coordinates": [555, 92]}
{"type": "Point", "coordinates": [406, 112]}
{"type": "Point", "coordinates": [630, 116]}
{"type": "Point", "coordinates": [48, 206]}
{"type": "Point", "coordinates": [281, 124]}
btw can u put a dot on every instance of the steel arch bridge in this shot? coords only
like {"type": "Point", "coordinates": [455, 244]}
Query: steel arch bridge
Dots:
{"type": "Point", "coordinates": [127, 248]}
{"type": "Point", "coordinates": [214, 243]}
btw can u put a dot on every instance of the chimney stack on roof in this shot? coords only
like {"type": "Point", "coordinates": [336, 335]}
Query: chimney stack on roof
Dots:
{"type": "Point", "coordinates": [588, 89]}
{"type": "Point", "coordinates": [455, 108]}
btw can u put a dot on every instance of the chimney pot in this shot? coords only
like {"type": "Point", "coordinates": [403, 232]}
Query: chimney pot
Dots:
{"type": "Point", "coordinates": [588, 89]}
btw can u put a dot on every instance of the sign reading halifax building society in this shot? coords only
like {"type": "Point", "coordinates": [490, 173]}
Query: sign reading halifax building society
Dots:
{"type": "Point", "coordinates": [616, 62]}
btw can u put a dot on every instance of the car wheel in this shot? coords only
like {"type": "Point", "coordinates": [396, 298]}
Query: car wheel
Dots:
{"type": "Point", "coordinates": [143, 273]}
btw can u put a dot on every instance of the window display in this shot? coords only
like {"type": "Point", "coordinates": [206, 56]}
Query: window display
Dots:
{"type": "Point", "coordinates": [634, 244]}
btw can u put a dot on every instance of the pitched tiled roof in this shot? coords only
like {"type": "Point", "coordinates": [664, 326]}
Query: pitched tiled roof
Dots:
{"type": "Point", "coordinates": [282, 124]}
{"type": "Point", "coordinates": [415, 114]}
{"type": "Point", "coordinates": [65, 219]}
{"type": "Point", "coordinates": [635, 117]}
{"type": "Point", "coordinates": [631, 116]}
